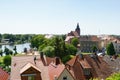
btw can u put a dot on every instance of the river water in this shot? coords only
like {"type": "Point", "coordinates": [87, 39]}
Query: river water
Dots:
{"type": "Point", "coordinates": [20, 47]}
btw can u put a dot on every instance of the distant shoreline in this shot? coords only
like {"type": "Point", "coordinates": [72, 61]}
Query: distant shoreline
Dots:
{"type": "Point", "coordinates": [4, 43]}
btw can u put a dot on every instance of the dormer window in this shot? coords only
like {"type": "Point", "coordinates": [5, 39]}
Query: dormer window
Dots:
{"type": "Point", "coordinates": [86, 72]}
{"type": "Point", "coordinates": [30, 72]}
{"type": "Point", "coordinates": [65, 78]}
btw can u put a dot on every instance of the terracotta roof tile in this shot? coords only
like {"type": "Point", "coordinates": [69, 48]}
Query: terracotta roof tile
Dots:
{"type": "Point", "coordinates": [18, 62]}
{"type": "Point", "coordinates": [98, 67]}
{"type": "Point", "coordinates": [84, 63]}
{"type": "Point", "coordinates": [44, 65]}
{"type": "Point", "coordinates": [55, 70]}
{"type": "Point", "coordinates": [3, 75]}
{"type": "Point", "coordinates": [72, 61]}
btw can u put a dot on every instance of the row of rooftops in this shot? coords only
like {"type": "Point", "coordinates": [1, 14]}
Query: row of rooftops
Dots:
{"type": "Point", "coordinates": [93, 63]}
{"type": "Point", "coordinates": [51, 68]}
{"type": "Point", "coordinates": [48, 67]}
{"type": "Point", "coordinates": [94, 38]}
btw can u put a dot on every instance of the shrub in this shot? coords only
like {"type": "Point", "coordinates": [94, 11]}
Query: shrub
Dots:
{"type": "Point", "coordinates": [7, 60]}
{"type": "Point", "coordinates": [115, 76]}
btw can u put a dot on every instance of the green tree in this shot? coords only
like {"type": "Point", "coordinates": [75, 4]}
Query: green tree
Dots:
{"type": "Point", "coordinates": [75, 41]}
{"type": "Point", "coordinates": [10, 52]}
{"type": "Point", "coordinates": [15, 49]}
{"type": "Point", "coordinates": [1, 52]}
{"type": "Point", "coordinates": [49, 51]}
{"type": "Point", "coordinates": [6, 51]}
{"type": "Point", "coordinates": [63, 48]}
{"type": "Point", "coordinates": [94, 49]}
{"type": "Point", "coordinates": [115, 76]}
{"type": "Point", "coordinates": [67, 58]}
{"type": "Point", "coordinates": [71, 50]}
{"type": "Point", "coordinates": [7, 60]}
{"type": "Point", "coordinates": [110, 49]}
{"type": "Point", "coordinates": [57, 47]}
{"type": "Point", "coordinates": [37, 41]}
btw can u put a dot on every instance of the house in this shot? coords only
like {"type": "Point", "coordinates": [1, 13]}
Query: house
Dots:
{"type": "Point", "coordinates": [3, 75]}
{"type": "Point", "coordinates": [35, 67]}
{"type": "Point", "coordinates": [106, 39]}
{"type": "Point", "coordinates": [116, 44]}
{"type": "Point", "coordinates": [55, 70]}
{"type": "Point", "coordinates": [85, 67]}
{"type": "Point", "coordinates": [87, 42]}
{"type": "Point", "coordinates": [66, 75]}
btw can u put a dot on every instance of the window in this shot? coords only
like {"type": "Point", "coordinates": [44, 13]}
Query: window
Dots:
{"type": "Point", "coordinates": [86, 72]}
{"type": "Point", "coordinates": [31, 78]}
{"type": "Point", "coordinates": [65, 78]}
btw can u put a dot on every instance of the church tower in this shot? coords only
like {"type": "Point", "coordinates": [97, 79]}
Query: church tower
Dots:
{"type": "Point", "coordinates": [78, 29]}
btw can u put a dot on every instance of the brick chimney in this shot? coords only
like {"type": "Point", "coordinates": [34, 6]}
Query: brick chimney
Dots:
{"type": "Point", "coordinates": [41, 55]}
{"type": "Point", "coordinates": [57, 61]}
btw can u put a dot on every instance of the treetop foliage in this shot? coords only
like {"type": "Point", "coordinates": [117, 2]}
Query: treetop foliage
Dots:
{"type": "Point", "coordinates": [53, 47]}
{"type": "Point", "coordinates": [110, 49]}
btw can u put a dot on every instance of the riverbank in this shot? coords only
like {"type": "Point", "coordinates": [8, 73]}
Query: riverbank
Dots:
{"type": "Point", "coordinates": [19, 47]}
{"type": "Point", "coordinates": [4, 43]}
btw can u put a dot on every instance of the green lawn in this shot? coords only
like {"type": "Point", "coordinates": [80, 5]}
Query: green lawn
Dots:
{"type": "Point", "coordinates": [119, 55]}
{"type": "Point", "coordinates": [1, 59]}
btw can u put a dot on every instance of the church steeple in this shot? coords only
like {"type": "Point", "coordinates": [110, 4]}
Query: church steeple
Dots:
{"type": "Point", "coordinates": [78, 29]}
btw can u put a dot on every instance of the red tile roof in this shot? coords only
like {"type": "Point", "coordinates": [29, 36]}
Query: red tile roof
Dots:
{"type": "Point", "coordinates": [55, 70]}
{"type": "Point", "coordinates": [98, 67]}
{"type": "Point", "coordinates": [21, 61]}
{"type": "Point", "coordinates": [84, 63]}
{"type": "Point", "coordinates": [45, 66]}
{"type": "Point", "coordinates": [72, 61]}
{"type": "Point", "coordinates": [3, 75]}
{"type": "Point", "coordinates": [73, 33]}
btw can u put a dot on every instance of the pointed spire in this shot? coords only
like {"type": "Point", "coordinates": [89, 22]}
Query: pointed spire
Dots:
{"type": "Point", "coordinates": [77, 26]}
{"type": "Point", "coordinates": [78, 29]}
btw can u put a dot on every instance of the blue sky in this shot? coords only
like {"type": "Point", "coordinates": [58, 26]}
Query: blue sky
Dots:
{"type": "Point", "coordinates": [60, 16]}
